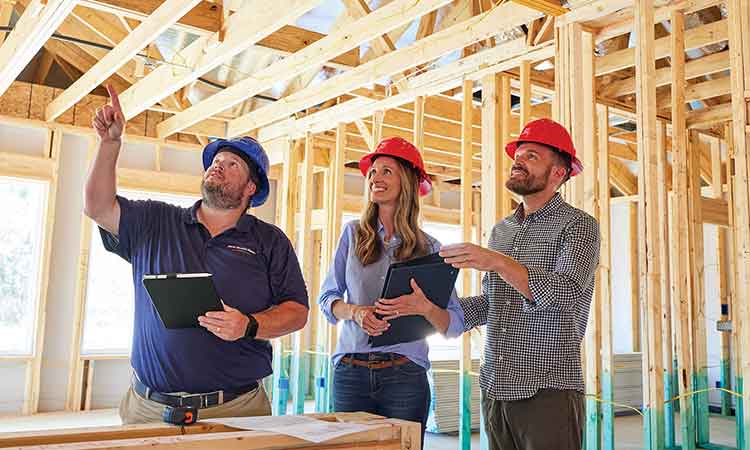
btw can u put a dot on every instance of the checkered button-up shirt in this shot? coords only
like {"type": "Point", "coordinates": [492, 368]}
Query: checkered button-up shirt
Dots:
{"type": "Point", "coordinates": [536, 343]}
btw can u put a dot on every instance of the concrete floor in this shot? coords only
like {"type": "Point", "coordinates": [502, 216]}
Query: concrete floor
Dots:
{"type": "Point", "coordinates": [628, 429]}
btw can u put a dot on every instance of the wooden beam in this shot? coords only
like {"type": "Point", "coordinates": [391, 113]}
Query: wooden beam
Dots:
{"type": "Point", "coordinates": [664, 183]}
{"type": "Point", "coordinates": [697, 37]}
{"type": "Point", "coordinates": [650, 226]}
{"type": "Point", "coordinates": [161, 19]}
{"type": "Point", "coordinates": [45, 64]}
{"type": "Point", "coordinates": [340, 40]}
{"type": "Point", "coordinates": [300, 357]}
{"type": "Point", "coordinates": [6, 12]}
{"type": "Point", "coordinates": [700, 91]}
{"type": "Point", "coordinates": [545, 6]}
{"type": "Point", "coordinates": [475, 29]}
{"type": "Point", "coordinates": [492, 154]}
{"type": "Point", "coordinates": [465, 366]}
{"type": "Point", "coordinates": [203, 20]}
{"type": "Point", "coordinates": [525, 94]}
{"type": "Point", "coordinates": [33, 28]}
{"type": "Point", "coordinates": [33, 373]}
{"type": "Point", "coordinates": [708, 117]}
{"type": "Point", "coordinates": [244, 28]}
{"type": "Point", "coordinates": [681, 304]}
{"type": "Point", "coordinates": [705, 65]}
{"type": "Point", "coordinates": [635, 280]}
{"type": "Point", "coordinates": [739, 16]}
{"type": "Point", "coordinates": [419, 125]}
{"type": "Point", "coordinates": [604, 283]}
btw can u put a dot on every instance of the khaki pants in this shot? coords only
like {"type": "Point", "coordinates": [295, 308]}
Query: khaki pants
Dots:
{"type": "Point", "coordinates": [550, 420]}
{"type": "Point", "coordinates": [136, 409]}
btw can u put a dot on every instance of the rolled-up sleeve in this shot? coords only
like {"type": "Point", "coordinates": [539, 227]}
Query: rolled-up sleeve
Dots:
{"type": "Point", "coordinates": [456, 313]}
{"type": "Point", "coordinates": [574, 269]}
{"type": "Point", "coordinates": [334, 285]}
{"type": "Point", "coordinates": [475, 309]}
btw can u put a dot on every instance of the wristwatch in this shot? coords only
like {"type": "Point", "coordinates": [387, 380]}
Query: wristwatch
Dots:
{"type": "Point", "coordinates": [252, 327]}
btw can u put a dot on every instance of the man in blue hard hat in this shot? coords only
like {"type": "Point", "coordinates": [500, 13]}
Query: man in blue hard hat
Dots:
{"type": "Point", "coordinates": [216, 368]}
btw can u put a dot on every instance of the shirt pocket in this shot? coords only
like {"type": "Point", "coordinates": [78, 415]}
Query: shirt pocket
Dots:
{"type": "Point", "coordinates": [538, 253]}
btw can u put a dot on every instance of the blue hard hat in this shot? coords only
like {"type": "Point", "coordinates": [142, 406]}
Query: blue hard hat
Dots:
{"type": "Point", "coordinates": [254, 151]}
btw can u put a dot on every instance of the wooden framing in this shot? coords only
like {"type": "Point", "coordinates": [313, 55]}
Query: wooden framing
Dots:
{"type": "Point", "coordinates": [460, 35]}
{"type": "Point", "coordinates": [34, 27]}
{"type": "Point", "coordinates": [635, 281]}
{"type": "Point", "coordinates": [244, 28]}
{"type": "Point", "coordinates": [386, 434]}
{"type": "Point", "coordinates": [161, 19]}
{"type": "Point", "coordinates": [492, 155]}
{"type": "Point", "coordinates": [383, 19]}
{"type": "Point", "coordinates": [650, 226]}
{"type": "Point", "coordinates": [739, 22]}
{"type": "Point", "coordinates": [302, 338]}
{"type": "Point", "coordinates": [465, 378]}
{"type": "Point", "coordinates": [681, 305]}
{"type": "Point", "coordinates": [697, 262]}
{"type": "Point", "coordinates": [604, 284]}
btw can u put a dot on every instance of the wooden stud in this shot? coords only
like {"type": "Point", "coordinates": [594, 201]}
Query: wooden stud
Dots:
{"type": "Point", "coordinates": [377, 127]}
{"type": "Point", "coordinates": [650, 226]}
{"type": "Point", "coordinates": [33, 372]}
{"type": "Point", "coordinates": [288, 206]}
{"type": "Point", "coordinates": [419, 123]}
{"type": "Point", "coordinates": [662, 179]}
{"type": "Point", "coordinates": [604, 282]}
{"type": "Point", "coordinates": [465, 362]}
{"type": "Point", "coordinates": [635, 289]}
{"type": "Point", "coordinates": [697, 263]}
{"type": "Point", "coordinates": [492, 155]}
{"type": "Point", "coordinates": [505, 132]}
{"type": "Point", "coordinates": [300, 357]}
{"type": "Point", "coordinates": [681, 305]}
{"type": "Point", "coordinates": [725, 374]}
{"type": "Point", "coordinates": [739, 17]}
{"type": "Point", "coordinates": [525, 94]}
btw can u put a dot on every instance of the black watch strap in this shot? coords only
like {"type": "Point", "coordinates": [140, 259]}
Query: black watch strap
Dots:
{"type": "Point", "coordinates": [252, 327]}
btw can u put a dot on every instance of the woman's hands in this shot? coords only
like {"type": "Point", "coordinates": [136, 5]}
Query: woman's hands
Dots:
{"type": "Point", "coordinates": [412, 304]}
{"type": "Point", "coordinates": [366, 319]}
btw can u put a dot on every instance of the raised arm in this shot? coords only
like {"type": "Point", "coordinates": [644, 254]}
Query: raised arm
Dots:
{"type": "Point", "coordinates": [101, 185]}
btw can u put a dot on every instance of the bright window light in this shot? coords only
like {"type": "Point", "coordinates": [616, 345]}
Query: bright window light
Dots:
{"type": "Point", "coordinates": [108, 318]}
{"type": "Point", "coordinates": [21, 238]}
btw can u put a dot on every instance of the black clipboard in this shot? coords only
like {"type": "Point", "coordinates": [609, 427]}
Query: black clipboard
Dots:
{"type": "Point", "coordinates": [180, 298]}
{"type": "Point", "coordinates": [437, 280]}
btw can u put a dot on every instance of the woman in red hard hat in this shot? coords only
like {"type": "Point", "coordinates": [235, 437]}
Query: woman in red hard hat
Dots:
{"type": "Point", "coordinates": [537, 291]}
{"type": "Point", "coordinates": [389, 380]}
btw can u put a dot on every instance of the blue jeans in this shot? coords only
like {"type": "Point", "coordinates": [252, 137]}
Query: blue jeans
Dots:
{"type": "Point", "coordinates": [399, 392]}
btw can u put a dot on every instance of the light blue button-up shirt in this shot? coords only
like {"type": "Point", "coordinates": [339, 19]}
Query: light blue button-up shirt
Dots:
{"type": "Point", "coordinates": [363, 286]}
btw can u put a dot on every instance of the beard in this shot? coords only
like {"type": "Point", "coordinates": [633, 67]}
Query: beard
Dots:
{"type": "Point", "coordinates": [221, 196]}
{"type": "Point", "coordinates": [529, 184]}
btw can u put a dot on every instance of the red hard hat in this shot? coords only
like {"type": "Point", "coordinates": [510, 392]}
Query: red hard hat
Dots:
{"type": "Point", "coordinates": [550, 133]}
{"type": "Point", "coordinates": [404, 150]}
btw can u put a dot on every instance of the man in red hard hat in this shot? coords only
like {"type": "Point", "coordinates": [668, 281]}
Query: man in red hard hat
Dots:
{"type": "Point", "coordinates": [536, 293]}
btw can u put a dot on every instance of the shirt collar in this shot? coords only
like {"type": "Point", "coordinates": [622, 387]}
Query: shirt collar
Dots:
{"type": "Point", "coordinates": [190, 217]}
{"type": "Point", "coordinates": [395, 239]}
{"type": "Point", "coordinates": [549, 207]}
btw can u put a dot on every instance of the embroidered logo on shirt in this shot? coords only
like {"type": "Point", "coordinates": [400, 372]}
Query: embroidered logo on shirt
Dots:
{"type": "Point", "coordinates": [239, 249]}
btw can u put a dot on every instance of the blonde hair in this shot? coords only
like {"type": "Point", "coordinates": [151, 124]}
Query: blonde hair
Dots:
{"type": "Point", "coordinates": [368, 245]}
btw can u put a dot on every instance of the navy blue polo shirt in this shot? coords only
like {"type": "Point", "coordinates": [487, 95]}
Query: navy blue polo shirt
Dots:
{"type": "Point", "coordinates": [254, 267]}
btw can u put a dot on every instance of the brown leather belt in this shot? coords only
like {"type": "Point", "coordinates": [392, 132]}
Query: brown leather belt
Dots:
{"type": "Point", "coordinates": [400, 361]}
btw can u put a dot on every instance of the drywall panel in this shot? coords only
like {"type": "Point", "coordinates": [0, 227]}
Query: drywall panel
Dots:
{"type": "Point", "coordinates": [181, 161]}
{"type": "Point", "coordinates": [135, 155]}
{"type": "Point", "coordinates": [13, 374]}
{"type": "Point", "coordinates": [110, 382]}
{"type": "Point", "coordinates": [29, 141]}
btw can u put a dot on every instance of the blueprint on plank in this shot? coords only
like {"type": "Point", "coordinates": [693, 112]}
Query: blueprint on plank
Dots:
{"type": "Point", "coordinates": [302, 427]}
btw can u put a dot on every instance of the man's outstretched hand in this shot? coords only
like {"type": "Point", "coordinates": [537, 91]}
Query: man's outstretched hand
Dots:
{"type": "Point", "coordinates": [109, 121]}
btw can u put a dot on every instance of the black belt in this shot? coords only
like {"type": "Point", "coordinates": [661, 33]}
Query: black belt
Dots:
{"type": "Point", "coordinates": [197, 401]}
